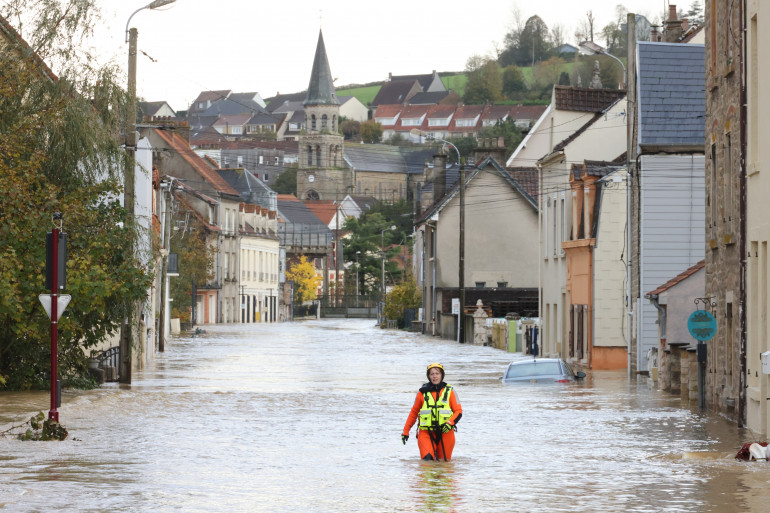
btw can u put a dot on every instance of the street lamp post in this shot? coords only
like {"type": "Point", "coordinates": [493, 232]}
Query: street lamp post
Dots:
{"type": "Point", "coordinates": [129, 199]}
{"type": "Point", "coordinates": [461, 243]}
{"type": "Point", "coordinates": [358, 253]}
{"type": "Point", "coordinates": [586, 49]}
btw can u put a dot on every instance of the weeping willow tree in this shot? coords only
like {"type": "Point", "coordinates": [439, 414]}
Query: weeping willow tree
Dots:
{"type": "Point", "coordinates": [61, 140]}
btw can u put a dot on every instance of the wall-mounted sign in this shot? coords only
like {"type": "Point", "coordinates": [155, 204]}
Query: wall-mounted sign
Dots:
{"type": "Point", "coordinates": [702, 325]}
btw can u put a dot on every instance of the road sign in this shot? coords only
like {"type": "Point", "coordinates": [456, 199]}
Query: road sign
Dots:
{"type": "Point", "coordinates": [455, 306]}
{"type": "Point", "coordinates": [62, 300]}
{"type": "Point", "coordinates": [702, 325]}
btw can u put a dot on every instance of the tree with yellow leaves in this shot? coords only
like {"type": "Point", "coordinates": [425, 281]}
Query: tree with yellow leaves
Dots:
{"type": "Point", "coordinates": [306, 281]}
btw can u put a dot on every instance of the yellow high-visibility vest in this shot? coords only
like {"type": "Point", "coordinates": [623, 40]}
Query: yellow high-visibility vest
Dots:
{"type": "Point", "coordinates": [435, 412]}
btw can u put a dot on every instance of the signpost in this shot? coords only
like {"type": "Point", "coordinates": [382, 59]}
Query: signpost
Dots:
{"type": "Point", "coordinates": [702, 326]}
{"type": "Point", "coordinates": [56, 258]}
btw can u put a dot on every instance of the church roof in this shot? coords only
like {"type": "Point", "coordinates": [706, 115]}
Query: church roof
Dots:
{"type": "Point", "coordinates": [321, 91]}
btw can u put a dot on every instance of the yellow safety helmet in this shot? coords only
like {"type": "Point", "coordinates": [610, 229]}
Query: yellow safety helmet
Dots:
{"type": "Point", "coordinates": [437, 366]}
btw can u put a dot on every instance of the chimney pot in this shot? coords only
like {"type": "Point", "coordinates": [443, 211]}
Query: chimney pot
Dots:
{"type": "Point", "coordinates": [671, 12]}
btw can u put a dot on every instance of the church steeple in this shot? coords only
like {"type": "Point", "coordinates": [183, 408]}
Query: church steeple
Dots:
{"type": "Point", "coordinates": [321, 91]}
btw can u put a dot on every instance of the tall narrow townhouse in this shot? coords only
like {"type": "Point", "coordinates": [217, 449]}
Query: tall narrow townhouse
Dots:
{"type": "Point", "coordinates": [757, 53]}
{"type": "Point", "coordinates": [579, 124]}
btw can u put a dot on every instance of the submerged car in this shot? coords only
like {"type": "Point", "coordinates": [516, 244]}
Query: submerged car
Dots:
{"type": "Point", "coordinates": [541, 370]}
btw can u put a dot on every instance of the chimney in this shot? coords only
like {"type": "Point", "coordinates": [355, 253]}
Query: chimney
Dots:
{"type": "Point", "coordinates": [673, 26]}
{"type": "Point", "coordinates": [438, 176]}
{"type": "Point", "coordinates": [654, 36]}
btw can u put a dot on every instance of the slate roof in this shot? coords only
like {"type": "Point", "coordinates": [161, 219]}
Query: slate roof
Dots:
{"type": "Point", "coordinates": [289, 106]}
{"type": "Point", "coordinates": [233, 120]}
{"type": "Point", "coordinates": [149, 109]}
{"type": "Point", "coordinates": [251, 189]}
{"type": "Point", "coordinates": [385, 158]}
{"type": "Point", "coordinates": [231, 106]}
{"type": "Point", "coordinates": [671, 99]}
{"type": "Point", "coordinates": [582, 99]}
{"type": "Point", "coordinates": [433, 98]}
{"type": "Point", "coordinates": [206, 136]}
{"type": "Point", "coordinates": [212, 95]}
{"type": "Point", "coordinates": [424, 80]}
{"type": "Point", "coordinates": [263, 119]}
{"type": "Point", "coordinates": [364, 202]}
{"type": "Point", "coordinates": [296, 212]}
{"type": "Point", "coordinates": [321, 91]}
{"type": "Point", "coordinates": [396, 92]}
{"type": "Point", "coordinates": [488, 162]}
{"type": "Point", "coordinates": [283, 99]}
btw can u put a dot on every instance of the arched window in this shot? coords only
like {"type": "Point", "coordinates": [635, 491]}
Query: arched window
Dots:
{"type": "Point", "coordinates": [309, 155]}
{"type": "Point", "coordinates": [318, 156]}
{"type": "Point", "coordinates": [323, 121]}
{"type": "Point", "coordinates": [334, 123]}
{"type": "Point", "coordinates": [312, 195]}
{"type": "Point", "coordinates": [312, 121]}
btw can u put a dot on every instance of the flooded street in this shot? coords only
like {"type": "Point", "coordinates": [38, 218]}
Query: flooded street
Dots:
{"type": "Point", "coordinates": [308, 416]}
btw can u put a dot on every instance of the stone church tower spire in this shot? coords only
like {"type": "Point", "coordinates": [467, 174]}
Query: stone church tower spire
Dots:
{"type": "Point", "coordinates": [322, 172]}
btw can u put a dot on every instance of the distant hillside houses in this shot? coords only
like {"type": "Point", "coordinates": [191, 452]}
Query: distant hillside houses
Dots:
{"type": "Point", "coordinates": [446, 121]}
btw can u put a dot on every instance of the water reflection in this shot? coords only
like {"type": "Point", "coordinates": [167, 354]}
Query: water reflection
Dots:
{"type": "Point", "coordinates": [434, 487]}
{"type": "Point", "coordinates": [307, 417]}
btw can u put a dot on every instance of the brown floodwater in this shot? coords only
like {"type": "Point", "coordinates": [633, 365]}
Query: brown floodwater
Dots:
{"type": "Point", "coordinates": [307, 416]}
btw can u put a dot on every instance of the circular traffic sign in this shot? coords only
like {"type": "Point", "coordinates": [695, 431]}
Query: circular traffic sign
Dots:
{"type": "Point", "coordinates": [702, 325]}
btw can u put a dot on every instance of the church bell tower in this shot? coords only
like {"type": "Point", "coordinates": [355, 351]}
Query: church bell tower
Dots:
{"type": "Point", "coordinates": [322, 172]}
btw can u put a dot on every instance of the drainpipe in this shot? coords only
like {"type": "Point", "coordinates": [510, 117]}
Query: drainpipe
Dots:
{"type": "Point", "coordinates": [630, 158]}
{"type": "Point", "coordinates": [742, 229]}
{"type": "Point", "coordinates": [654, 300]}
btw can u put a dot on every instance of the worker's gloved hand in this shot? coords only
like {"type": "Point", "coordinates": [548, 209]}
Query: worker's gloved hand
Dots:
{"type": "Point", "coordinates": [446, 428]}
{"type": "Point", "coordinates": [404, 438]}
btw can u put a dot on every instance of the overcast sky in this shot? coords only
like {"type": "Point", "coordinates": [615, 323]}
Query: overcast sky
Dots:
{"type": "Point", "coordinates": [268, 47]}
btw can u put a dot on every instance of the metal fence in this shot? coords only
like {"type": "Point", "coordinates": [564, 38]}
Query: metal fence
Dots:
{"type": "Point", "coordinates": [110, 358]}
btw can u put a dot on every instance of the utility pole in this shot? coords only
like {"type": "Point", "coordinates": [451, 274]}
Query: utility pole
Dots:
{"type": "Point", "coordinates": [461, 277]}
{"type": "Point", "coordinates": [127, 330]}
{"type": "Point", "coordinates": [337, 249]}
{"type": "Point", "coordinates": [164, 271]}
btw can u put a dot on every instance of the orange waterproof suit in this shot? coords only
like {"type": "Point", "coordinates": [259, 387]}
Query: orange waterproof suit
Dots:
{"type": "Point", "coordinates": [433, 443]}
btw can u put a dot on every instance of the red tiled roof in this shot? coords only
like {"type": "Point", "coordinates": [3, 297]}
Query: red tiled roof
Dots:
{"type": "Point", "coordinates": [441, 111]}
{"type": "Point", "coordinates": [528, 178]}
{"type": "Point", "coordinates": [323, 209]}
{"type": "Point", "coordinates": [585, 100]}
{"type": "Point", "coordinates": [413, 112]}
{"type": "Point", "coordinates": [678, 278]}
{"type": "Point", "coordinates": [496, 111]}
{"type": "Point", "coordinates": [527, 111]}
{"type": "Point", "coordinates": [287, 197]}
{"type": "Point", "coordinates": [183, 149]}
{"type": "Point", "coordinates": [387, 111]}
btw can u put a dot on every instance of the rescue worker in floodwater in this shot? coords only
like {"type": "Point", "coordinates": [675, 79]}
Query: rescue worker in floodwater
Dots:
{"type": "Point", "coordinates": [438, 410]}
